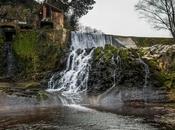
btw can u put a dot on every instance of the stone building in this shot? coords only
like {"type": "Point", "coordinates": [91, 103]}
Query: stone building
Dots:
{"type": "Point", "coordinates": [52, 16]}
{"type": "Point", "coordinates": [19, 18]}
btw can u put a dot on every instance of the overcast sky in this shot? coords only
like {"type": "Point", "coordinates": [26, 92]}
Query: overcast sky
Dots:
{"type": "Point", "coordinates": [120, 18]}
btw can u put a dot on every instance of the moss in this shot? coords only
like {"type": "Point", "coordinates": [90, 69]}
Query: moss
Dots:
{"type": "Point", "coordinates": [162, 78]}
{"type": "Point", "coordinates": [166, 79]}
{"type": "Point", "coordinates": [37, 52]}
{"type": "Point", "coordinates": [28, 85]}
{"type": "Point", "coordinates": [42, 95]}
{"type": "Point", "coordinates": [153, 64]}
{"type": "Point", "coordinates": [25, 50]}
{"type": "Point", "coordinates": [109, 51]}
{"type": "Point", "coordinates": [4, 86]}
{"type": "Point", "coordinates": [169, 80]}
{"type": "Point", "coordinates": [25, 44]}
{"type": "Point", "coordinates": [145, 42]}
{"type": "Point", "coordinates": [98, 53]}
{"type": "Point", "coordinates": [172, 96]}
{"type": "Point", "coordinates": [106, 53]}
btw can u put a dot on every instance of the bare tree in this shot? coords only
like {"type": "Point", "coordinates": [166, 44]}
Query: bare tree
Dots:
{"type": "Point", "coordinates": [161, 13]}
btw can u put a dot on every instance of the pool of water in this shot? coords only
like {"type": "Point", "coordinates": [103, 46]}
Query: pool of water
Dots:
{"type": "Point", "coordinates": [71, 117]}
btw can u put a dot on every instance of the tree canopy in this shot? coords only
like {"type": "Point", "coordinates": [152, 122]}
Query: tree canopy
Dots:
{"type": "Point", "coordinates": [161, 13]}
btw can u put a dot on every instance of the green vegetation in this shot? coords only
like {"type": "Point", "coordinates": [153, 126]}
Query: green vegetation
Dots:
{"type": "Point", "coordinates": [38, 52]}
{"type": "Point", "coordinates": [165, 76]}
{"type": "Point", "coordinates": [166, 79]}
{"type": "Point", "coordinates": [145, 42]}
{"type": "Point", "coordinates": [149, 41]}
{"type": "Point", "coordinates": [42, 95]}
{"type": "Point", "coordinates": [25, 44]}
{"type": "Point", "coordinates": [25, 47]}
{"type": "Point", "coordinates": [29, 85]}
{"type": "Point", "coordinates": [109, 51]}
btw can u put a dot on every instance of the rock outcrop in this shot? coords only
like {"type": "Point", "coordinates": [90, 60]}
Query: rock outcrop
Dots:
{"type": "Point", "coordinates": [121, 75]}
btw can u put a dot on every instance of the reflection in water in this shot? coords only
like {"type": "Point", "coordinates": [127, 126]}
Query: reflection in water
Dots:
{"type": "Point", "coordinates": [67, 118]}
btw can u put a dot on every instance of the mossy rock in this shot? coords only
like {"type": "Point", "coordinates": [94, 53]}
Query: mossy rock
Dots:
{"type": "Point", "coordinates": [5, 86]}
{"type": "Point", "coordinates": [28, 85]}
{"type": "Point", "coordinates": [42, 95]}
{"type": "Point", "coordinates": [171, 96]}
{"type": "Point", "coordinates": [146, 42]}
{"type": "Point", "coordinates": [115, 65]}
{"type": "Point", "coordinates": [37, 52]}
{"type": "Point", "coordinates": [110, 51]}
{"type": "Point", "coordinates": [33, 85]}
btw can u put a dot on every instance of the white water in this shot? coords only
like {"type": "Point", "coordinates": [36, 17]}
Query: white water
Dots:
{"type": "Point", "coordinates": [73, 80]}
{"type": "Point", "coordinates": [147, 72]}
{"type": "Point", "coordinates": [10, 59]}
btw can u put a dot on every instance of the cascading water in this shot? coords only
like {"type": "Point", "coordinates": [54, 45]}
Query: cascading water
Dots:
{"type": "Point", "coordinates": [104, 96]}
{"type": "Point", "coordinates": [147, 72]}
{"type": "Point", "coordinates": [10, 60]}
{"type": "Point", "coordinates": [73, 80]}
{"type": "Point", "coordinates": [71, 84]}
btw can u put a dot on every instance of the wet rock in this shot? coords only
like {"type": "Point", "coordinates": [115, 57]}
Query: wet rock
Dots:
{"type": "Point", "coordinates": [163, 54]}
{"type": "Point", "coordinates": [124, 71]}
{"type": "Point", "coordinates": [113, 66]}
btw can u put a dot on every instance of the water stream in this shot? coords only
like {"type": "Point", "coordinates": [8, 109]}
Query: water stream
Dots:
{"type": "Point", "coordinates": [10, 60]}
{"type": "Point", "coordinates": [73, 80]}
{"type": "Point", "coordinates": [147, 72]}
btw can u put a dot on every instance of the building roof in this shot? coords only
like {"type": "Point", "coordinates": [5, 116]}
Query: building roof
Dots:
{"type": "Point", "coordinates": [52, 6]}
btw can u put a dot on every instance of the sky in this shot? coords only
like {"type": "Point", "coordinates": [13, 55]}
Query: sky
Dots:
{"type": "Point", "coordinates": [119, 17]}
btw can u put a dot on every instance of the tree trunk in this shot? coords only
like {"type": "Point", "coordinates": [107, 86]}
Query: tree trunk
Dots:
{"type": "Point", "coordinates": [173, 34]}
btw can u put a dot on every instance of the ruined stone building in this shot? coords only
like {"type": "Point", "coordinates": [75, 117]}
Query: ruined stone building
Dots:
{"type": "Point", "coordinates": [52, 16]}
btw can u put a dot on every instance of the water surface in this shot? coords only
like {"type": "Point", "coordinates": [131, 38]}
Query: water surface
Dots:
{"type": "Point", "coordinates": [72, 117]}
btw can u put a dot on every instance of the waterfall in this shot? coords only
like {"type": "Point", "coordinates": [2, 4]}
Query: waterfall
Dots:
{"type": "Point", "coordinates": [72, 82]}
{"type": "Point", "coordinates": [147, 72]}
{"type": "Point", "coordinates": [10, 60]}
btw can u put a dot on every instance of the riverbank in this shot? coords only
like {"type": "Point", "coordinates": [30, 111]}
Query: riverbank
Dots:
{"type": "Point", "coordinates": [29, 95]}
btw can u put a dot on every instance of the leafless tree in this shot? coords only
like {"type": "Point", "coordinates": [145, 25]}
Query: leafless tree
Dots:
{"type": "Point", "coordinates": [161, 13]}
